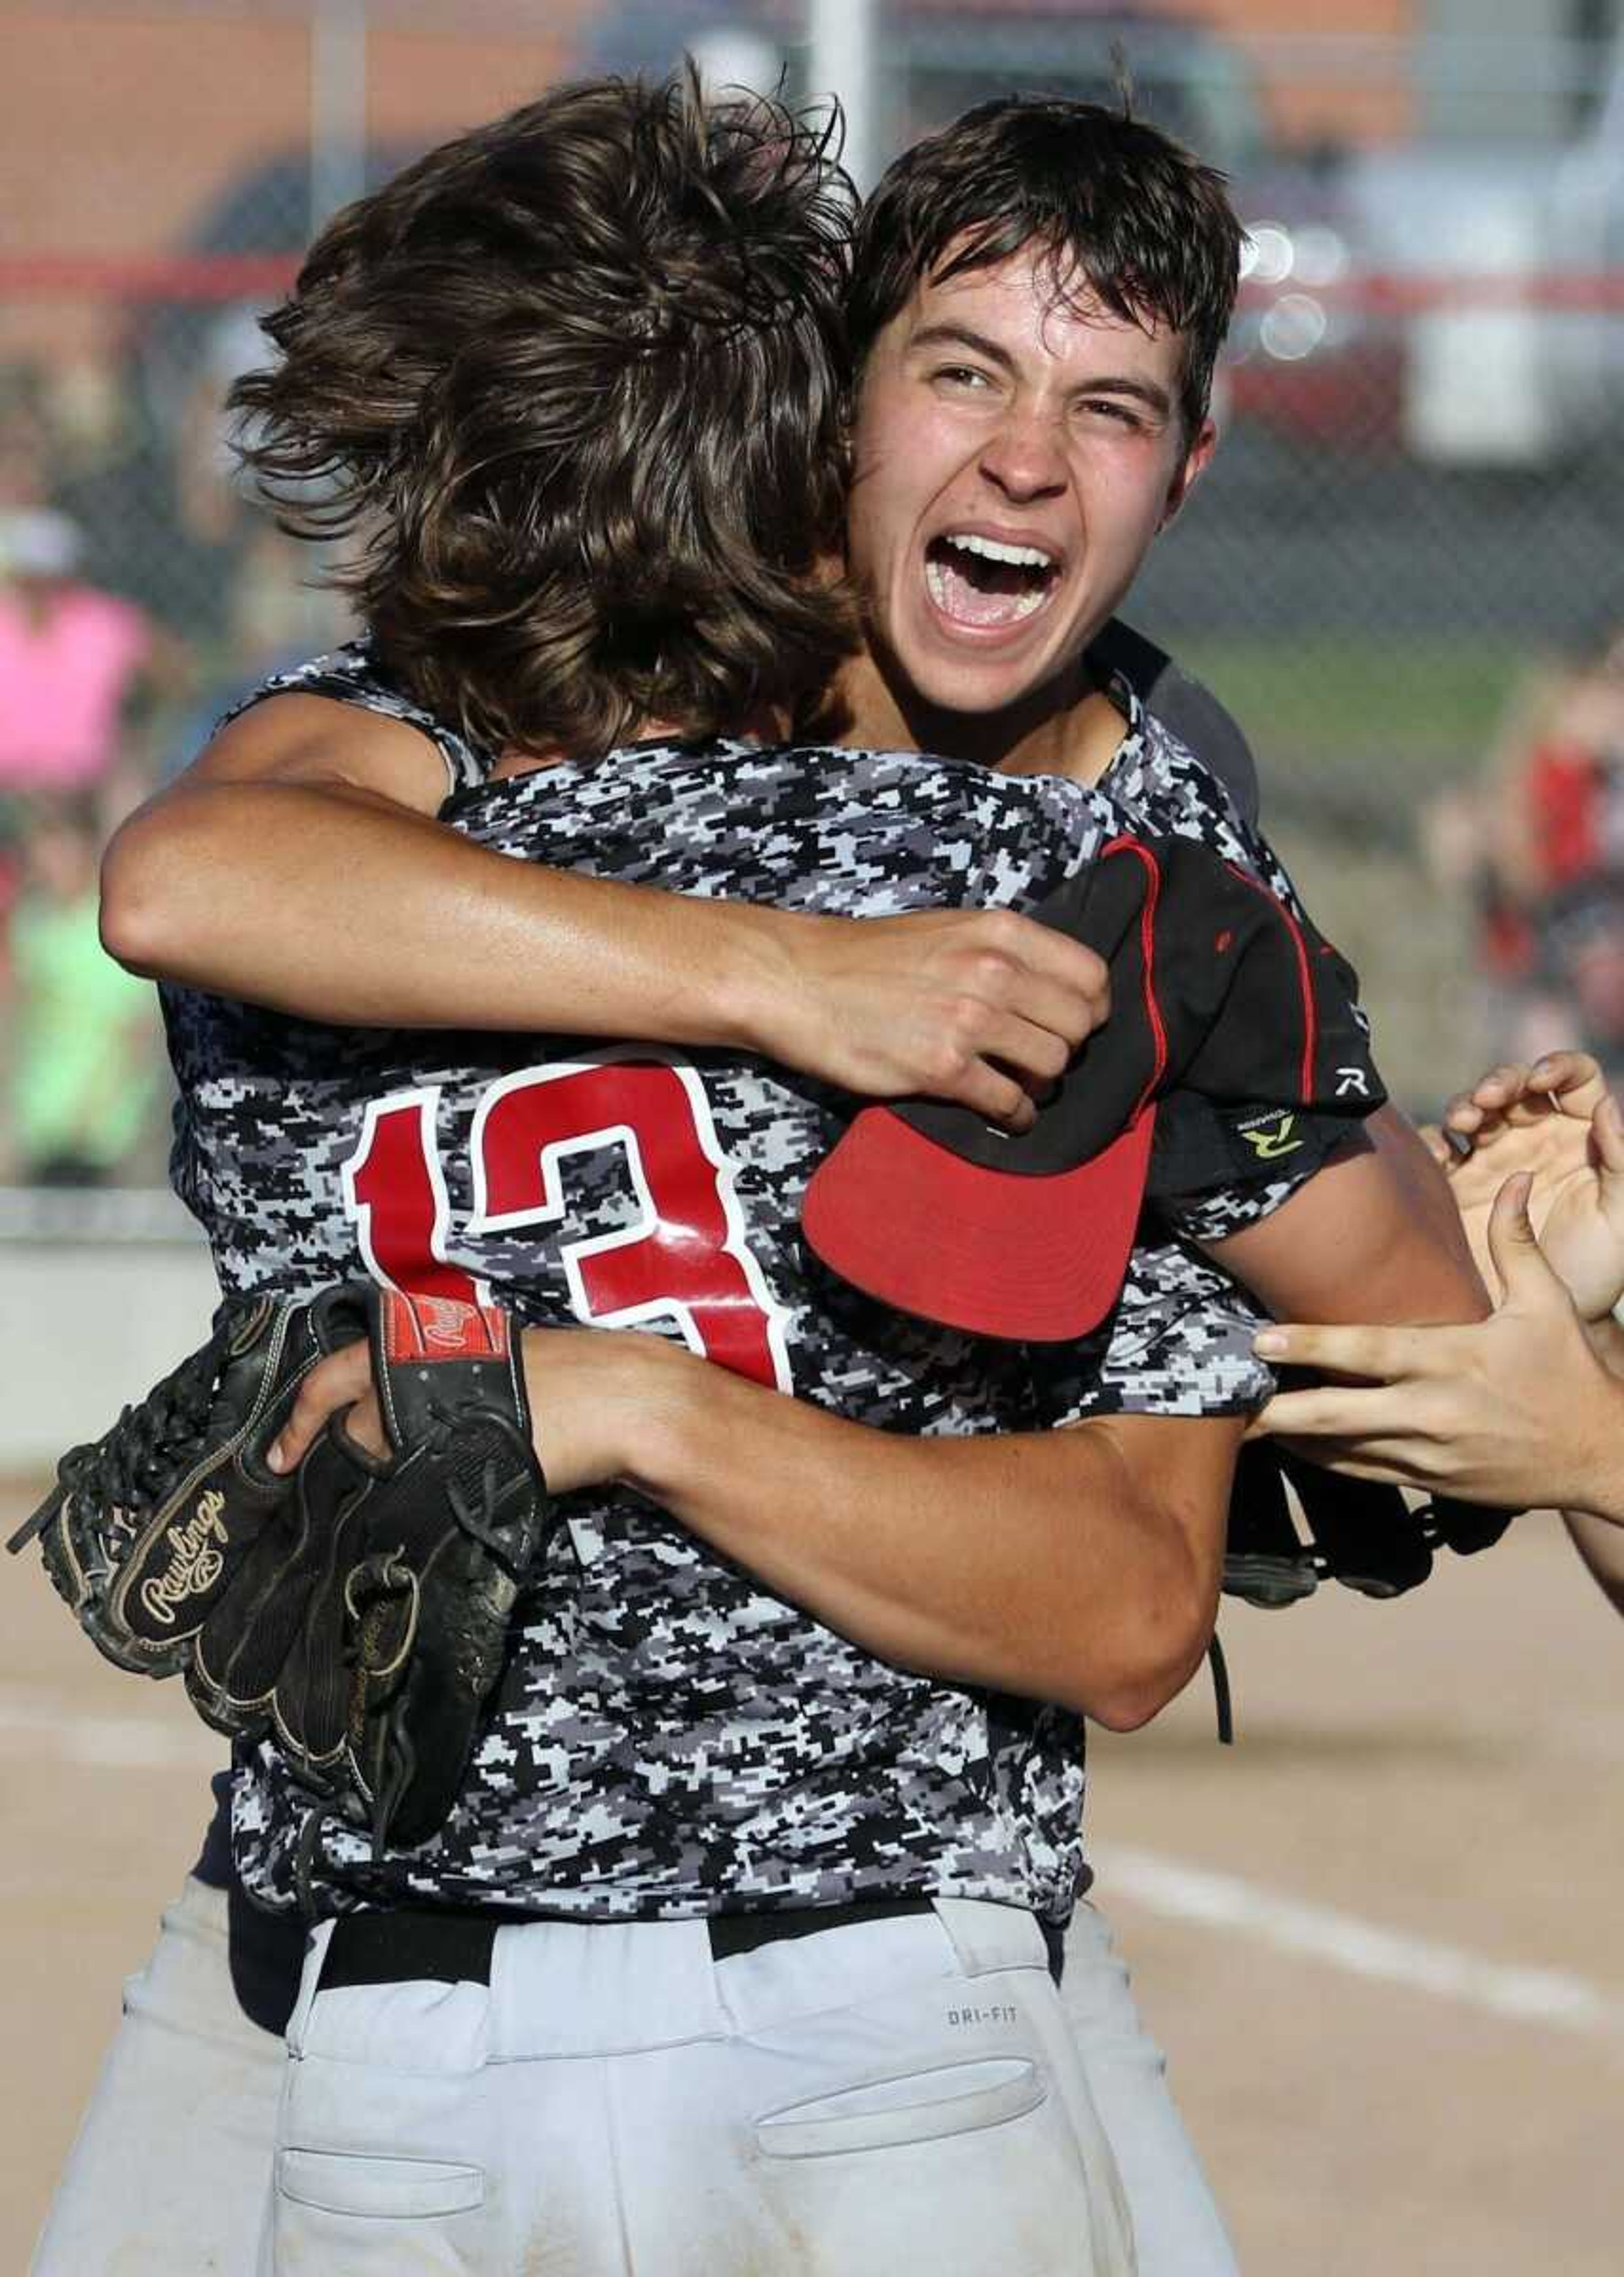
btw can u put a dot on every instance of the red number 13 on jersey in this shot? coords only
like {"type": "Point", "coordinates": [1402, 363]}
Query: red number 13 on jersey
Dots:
{"type": "Point", "coordinates": [684, 1259]}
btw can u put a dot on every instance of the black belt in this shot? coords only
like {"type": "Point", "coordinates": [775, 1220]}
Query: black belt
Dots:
{"type": "Point", "coordinates": [450, 1948]}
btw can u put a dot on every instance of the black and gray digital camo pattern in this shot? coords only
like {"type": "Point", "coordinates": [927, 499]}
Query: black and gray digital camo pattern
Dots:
{"type": "Point", "coordinates": [351, 675]}
{"type": "Point", "coordinates": [670, 1737]}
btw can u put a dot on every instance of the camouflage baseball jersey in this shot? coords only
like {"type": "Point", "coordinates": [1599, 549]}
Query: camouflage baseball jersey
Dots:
{"type": "Point", "coordinates": [670, 1737]}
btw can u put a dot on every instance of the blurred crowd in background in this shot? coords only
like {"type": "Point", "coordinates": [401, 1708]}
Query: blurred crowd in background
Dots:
{"type": "Point", "coordinates": [104, 696]}
{"type": "Point", "coordinates": [1534, 848]}
{"type": "Point", "coordinates": [1402, 572]}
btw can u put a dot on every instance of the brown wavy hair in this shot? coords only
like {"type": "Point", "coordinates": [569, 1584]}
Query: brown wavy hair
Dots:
{"type": "Point", "coordinates": [574, 382]}
{"type": "Point", "coordinates": [1116, 206]}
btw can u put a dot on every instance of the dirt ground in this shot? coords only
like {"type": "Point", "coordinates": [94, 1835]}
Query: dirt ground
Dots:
{"type": "Point", "coordinates": [1379, 1935]}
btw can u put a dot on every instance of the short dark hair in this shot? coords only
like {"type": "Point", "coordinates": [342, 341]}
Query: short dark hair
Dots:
{"type": "Point", "coordinates": [1115, 205]}
{"type": "Point", "coordinates": [576, 381]}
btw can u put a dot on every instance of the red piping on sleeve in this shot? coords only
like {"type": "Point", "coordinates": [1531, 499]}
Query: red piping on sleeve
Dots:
{"type": "Point", "coordinates": [1305, 979]}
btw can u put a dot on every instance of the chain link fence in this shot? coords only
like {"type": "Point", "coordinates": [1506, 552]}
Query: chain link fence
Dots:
{"type": "Point", "coordinates": [1399, 571]}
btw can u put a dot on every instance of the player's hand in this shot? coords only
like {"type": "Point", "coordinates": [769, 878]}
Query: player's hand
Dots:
{"type": "Point", "coordinates": [982, 1007]}
{"type": "Point", "coordinates": [591, 1393]}
{"type": "Point", "coordinates": [1556, 1121]}
{"type": "Point", "coordinates": [1513, 1410]}
{"type": "Point", "coordinates": [344, 1379]}
{"type": "Point", "coordinates": [1513, 1118]}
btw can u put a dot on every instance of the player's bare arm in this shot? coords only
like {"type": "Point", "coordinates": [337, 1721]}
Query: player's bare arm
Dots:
{"type": "Point", "coordinates": [313, 820]}
{"type": "Point", "coordinates": [1079, 1565]}
{"type": "Point", "coordinates": [1374, 1236]}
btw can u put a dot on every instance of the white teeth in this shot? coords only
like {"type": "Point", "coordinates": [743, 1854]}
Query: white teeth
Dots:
{"type": "Point", "coordinates": [993, 549]}
{"type": "Point", "coordinates": [1020, 605]}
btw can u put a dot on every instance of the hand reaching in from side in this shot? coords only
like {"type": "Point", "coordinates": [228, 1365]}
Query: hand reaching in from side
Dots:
{"type": "Point", "coordinates": [1513, 1410]}
{"type": "Point", "coordinates": [1557, 1123]}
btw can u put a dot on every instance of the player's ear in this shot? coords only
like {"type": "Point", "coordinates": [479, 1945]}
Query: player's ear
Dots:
{"type": "Point", "coordinates": [1189, 470]}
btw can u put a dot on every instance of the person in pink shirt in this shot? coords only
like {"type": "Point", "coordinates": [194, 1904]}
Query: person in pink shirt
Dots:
{"type": "Point", "coordinates": [71, 659]}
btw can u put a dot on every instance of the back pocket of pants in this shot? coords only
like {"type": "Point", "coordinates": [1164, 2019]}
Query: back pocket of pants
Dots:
{"type": "Point", "coordinates": [954, 2099]}
{"type": "Point", "coordinates": [392, 2189]}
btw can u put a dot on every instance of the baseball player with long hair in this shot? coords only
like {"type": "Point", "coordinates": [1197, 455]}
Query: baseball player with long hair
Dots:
{"type": "Point", "coordinates": [708, 1719]}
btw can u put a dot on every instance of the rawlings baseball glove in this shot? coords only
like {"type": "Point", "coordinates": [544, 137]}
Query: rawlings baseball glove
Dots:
{"type": "Point", "coordinates": [358, 1614]}
{"type": "Point", "coordinates": [146, 1527]}
{"type": "Point", "coordinates": [367, 1630]}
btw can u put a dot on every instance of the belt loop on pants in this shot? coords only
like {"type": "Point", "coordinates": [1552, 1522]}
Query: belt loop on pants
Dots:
{"type": "Point", "coordinates": [987, 1937]}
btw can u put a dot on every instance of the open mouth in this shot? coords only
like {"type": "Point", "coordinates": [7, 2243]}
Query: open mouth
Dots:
{"type": "Point", "coordinates": [986, 581]}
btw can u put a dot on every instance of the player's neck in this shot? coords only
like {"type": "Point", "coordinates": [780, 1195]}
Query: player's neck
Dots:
{"type": "Point", "coordinates": [764, 725]}
{"type": "Point", "coordinates": [1067, 729]}
{"type": "Point", "coordinates": [1088, 737]}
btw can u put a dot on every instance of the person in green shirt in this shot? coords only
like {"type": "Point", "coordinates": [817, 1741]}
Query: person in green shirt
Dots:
{"type": "Point", "coordinates": [84, 1068]}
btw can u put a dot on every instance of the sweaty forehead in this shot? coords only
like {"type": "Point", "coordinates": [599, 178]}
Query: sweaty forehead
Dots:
{"type": "Point", "coordinates": [1035, 297]}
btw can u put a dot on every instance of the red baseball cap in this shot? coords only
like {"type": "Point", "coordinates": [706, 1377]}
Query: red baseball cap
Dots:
{"type": "Point", "coordinates": [1224, 1004]}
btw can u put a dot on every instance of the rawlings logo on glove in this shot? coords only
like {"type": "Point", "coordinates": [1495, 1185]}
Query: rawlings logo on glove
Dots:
{"type": "Point", "coordinates": [196, 1563]}
{"type": "Point", "coordinates": [356, 1614]}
